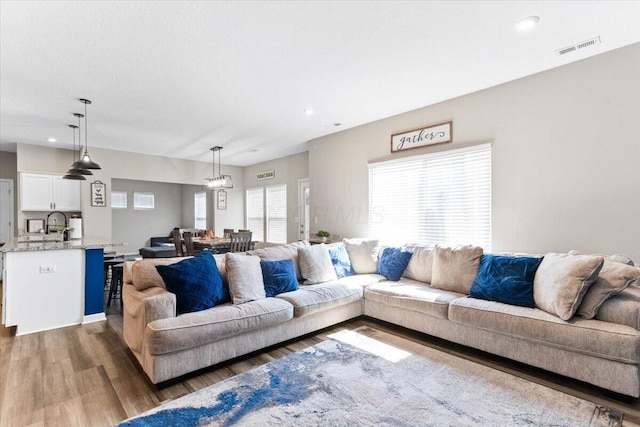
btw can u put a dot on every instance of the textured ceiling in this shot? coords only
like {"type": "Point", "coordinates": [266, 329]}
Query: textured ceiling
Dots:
{"type": "Point", "coordinates": [176, 78]}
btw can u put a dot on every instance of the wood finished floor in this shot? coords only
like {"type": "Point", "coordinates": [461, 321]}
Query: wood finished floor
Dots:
{"type": "Point", "coordinates": [85, 376]}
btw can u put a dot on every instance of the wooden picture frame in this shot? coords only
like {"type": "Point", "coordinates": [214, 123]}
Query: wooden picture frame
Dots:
{"type": "Point", "coordinates": [98, 194]}
{"type": "Point", "coordinates": [222, 200]}
{"type": "Point", "coordinates": [438, 133]}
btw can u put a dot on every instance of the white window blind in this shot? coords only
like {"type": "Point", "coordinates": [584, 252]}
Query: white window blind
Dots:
{"type": "Point", "coordinates": [255, 213]}
{"type": "Point", "coordinates": [118, 199]}
{"type": "Point", "coordinates": [437, 198]}
{"type": "Point", "coordinates": [143, 201]}
{"type": "Point", "coordinates": [200, 210]}
{"type": "Point", "coordinates": [277, 214]}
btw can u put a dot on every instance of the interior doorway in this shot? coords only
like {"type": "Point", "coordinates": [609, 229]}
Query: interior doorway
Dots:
{"type": "Point", "coordinates": [303, 209]}
{"type": "Point", "coordinates": [6, 210]}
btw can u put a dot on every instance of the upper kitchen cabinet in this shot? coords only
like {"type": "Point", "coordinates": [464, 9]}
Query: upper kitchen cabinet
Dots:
{"type": "Point", "coordinates": [42, 192]}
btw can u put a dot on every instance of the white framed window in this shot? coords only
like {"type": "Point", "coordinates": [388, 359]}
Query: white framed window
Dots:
{"type": "Point", "coordinates": [267, 213]}
{"type": "Point", "coordinates": [200, 210]}
{"type": "Point", "coordinates": [255, 213]}
{"type": "Point", "coordinates": [442, 197]}
{"type": "Point", "coordinates": [143, 201]}
{"type": "Point", "coordinates": [118, 199]}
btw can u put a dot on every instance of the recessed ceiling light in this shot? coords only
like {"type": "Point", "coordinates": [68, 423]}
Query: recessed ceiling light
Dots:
{"type": "Point", "coordinates": [52, 139]}
{"type": "Point", "coordinates": [527, 23]}
{"type": "Point", "coordinates": [308, 111]}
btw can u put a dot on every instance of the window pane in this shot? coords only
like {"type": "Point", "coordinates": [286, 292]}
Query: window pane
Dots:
{"type": "Point", "coordinates": [438, 198]}
{"type": "Point", "coordinates": [200, 210]}
{"type": "Point", "coordinates": [277, 214]}
{"type": "Point", "coordinates": [118, 199]}
{"type": "Point", "coordinates": [143, 201]}
{"type": "Point", "coordinates": [255, 213]}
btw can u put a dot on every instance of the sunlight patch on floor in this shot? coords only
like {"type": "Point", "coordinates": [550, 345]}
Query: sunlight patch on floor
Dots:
{"type": "Point", "coordinates": [370, 345]}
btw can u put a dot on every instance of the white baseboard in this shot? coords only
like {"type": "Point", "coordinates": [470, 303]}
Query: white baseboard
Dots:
{"type": "Point", "coordinates": [94, 318]}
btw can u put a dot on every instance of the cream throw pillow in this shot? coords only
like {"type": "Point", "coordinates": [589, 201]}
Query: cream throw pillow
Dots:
{"type": "Point", "coordinates": [420, 266]}
{"type": "Point", "coordinates": [454, 269]}
{"type": "Point", "coordinates": [315, 264]}
{"type": "Point", "coordinates": [277, 253]}
{"type": "Point", "coordinates": [363, 254]}
{"type": "Point", "coordinates": [245, 277]}
{"type": "Point", "coordinates": [612, 279]}
{"type": "Point", "coordinates": [562, 280]}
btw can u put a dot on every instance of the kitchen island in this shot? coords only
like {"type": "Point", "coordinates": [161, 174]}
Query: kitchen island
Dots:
{"type": "Point", "coordinates": [52, 284]}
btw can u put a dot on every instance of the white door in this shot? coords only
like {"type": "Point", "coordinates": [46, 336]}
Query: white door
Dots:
{"type": "Point", "coordinates": [303, 209]}
{"type": "Point", "coordinates": [35, 192]}
{"type": "Point", "coordinates": [6, 210]}
{"type": "Point", "coordinates": [66, 194]}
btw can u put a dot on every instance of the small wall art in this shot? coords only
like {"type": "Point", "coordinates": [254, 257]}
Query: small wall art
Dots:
{"type": "Point", "coordinates": [222, 200]}
{"type": "Point", "coordinates": [98, 194]}
{"type": "Point", "coordinates": [428, 135]}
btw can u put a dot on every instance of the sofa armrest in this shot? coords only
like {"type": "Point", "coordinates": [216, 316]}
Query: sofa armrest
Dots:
{"type": "Point", "coordinates": [141, 308]}
{"type": "Point", "coordinates": [623, 308]}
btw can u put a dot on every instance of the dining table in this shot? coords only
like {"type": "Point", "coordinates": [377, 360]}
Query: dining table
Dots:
{"type": "Point", "coordinates": [217, 245]}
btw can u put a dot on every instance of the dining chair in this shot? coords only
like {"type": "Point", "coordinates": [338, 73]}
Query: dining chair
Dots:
{"type": "Point", "coordinates": [177, 240]}
{"type": "Point", "coordinates": [188, 244]}
{"type": "Point", "coordinates": [227, 232]}
{"type": "Point", "coordinates": [243, 231]}
{"type": "Point", "coordinates": [240, 241]}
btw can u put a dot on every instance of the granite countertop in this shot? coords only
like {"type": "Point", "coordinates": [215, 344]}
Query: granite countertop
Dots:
{"type": "Point", "coordinates": [88, 242]}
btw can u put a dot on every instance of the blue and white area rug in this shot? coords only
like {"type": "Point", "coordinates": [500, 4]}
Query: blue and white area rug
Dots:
{"type": "Point", "coordinates": [367, 377]}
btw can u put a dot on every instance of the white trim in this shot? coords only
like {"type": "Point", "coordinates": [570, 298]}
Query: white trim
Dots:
{"type": "Point", "coordinates": [92, 318]}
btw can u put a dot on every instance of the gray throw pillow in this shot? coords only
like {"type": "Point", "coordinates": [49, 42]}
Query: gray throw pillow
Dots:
{"type": "Point", "coordinates": [420, 265]}
{"type": "Point", "coordinates": [363, 254]}
{"type": "Point", "coordinates": [613, 278]}
{"type": "Point", "coordinates": [315, 264]}
{"type": "Point", "coordinates": [562, 280]}
{"type": "Point", "coordinates": [454, 269]}
{"type": "Point", "coordinates": [245, 278]}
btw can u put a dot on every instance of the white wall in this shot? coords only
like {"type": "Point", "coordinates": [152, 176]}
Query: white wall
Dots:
{"type": "Point", "coordinates": [133, 166]}
{"type": "Point", "coordinates": [288, 170]}
{"type": "Point", "coordinates": [566, 158]}
{"type": "Point", "coordinates": [9, 170]}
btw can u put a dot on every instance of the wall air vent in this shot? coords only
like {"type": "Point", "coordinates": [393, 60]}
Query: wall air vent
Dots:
{"type": "Point", "coordinates": [578, 46]}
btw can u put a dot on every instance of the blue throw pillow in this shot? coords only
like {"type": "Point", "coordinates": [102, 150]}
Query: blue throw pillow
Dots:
{"type": "Point", "coordinates": [340, 260]}
{"type": "Point", "coordinates": [279, 277]}
{"type": "Point", "coordinates": [393, 262]}
{"type": "Point", "coordinates": [196, 282]}
{"type": "Point", "coordinates": [506, 279]}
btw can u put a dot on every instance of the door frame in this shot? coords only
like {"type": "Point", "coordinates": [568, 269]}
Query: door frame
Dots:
{"type": "Point", "coordinates": [302, 184]}
{"type": "Point", "coordinates": [11, 205]}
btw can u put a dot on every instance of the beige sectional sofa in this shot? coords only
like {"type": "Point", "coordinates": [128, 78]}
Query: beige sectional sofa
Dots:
{"type": "Point", "coordinates": [604, 351]}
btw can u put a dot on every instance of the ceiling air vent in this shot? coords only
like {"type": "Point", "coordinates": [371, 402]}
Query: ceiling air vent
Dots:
{"type": "Point", "coordinates": [578, 46]}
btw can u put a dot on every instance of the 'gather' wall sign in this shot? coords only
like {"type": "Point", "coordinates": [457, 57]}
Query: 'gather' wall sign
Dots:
{"type": "Point", "coordinates": [429, 135]}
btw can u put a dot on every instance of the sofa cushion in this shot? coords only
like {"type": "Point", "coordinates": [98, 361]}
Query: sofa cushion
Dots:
{"type": "Point", "coordinates": [506, 279]}
{"type": "Point", "coordinates": [420, 265]}
{"type": "Point", "coordinates": [363, 254]}
{"type": "Point", "coordinates": [623, 309]}
{"type": "Point", "coordinates": [412, 295]}
{"type": "Point", "coordinates": [340, 260]}
{"type": "Point", "coordinates": [144, 274]}
{"type": "Point", "coordinates": [613, 278]}
{"type": "Point", "coordinates": [591, 337]}
{"type": "Point", "coordinates": [562, 280]}
{"type": "Point", "coordinates": [196, 282]}
{"type": "Point", "coordinates": [361, 280]}
{"type": "Point", "coordinates": [454, 269]}
{"type": "Point", "coordinates": [202, 327]}
{"type": "Point", "coordinates": [278, 276]}
{"type": "Point", "coordinates": [322, 296]}
{"type": "Point", "coordinates": [245, 277]}
{"type": "Point", "coordinates": [315, 264]}
{"type": "Point", "coordinates": [393, 262]}
{"type": "Point", "coordinates": [277, 253]}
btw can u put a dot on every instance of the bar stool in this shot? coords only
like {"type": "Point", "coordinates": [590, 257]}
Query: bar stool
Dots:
{"type": "Point", "coordinates": [115, 290]}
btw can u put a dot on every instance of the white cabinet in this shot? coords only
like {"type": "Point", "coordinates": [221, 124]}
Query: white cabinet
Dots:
{"type": "Point", "coordinates": [42, 192]}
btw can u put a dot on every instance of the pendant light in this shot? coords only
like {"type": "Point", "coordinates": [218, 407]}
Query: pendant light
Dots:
{"type": "Point", "coordinates": [72, 173]}
{"type": "Point", "coordinates": [220, 181]}
{"type": "Point", "coordinates": [85, 161]}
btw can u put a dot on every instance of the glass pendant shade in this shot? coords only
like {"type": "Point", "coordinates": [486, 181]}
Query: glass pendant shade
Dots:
{"type": "Point", "coordinates": [220, 181]}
